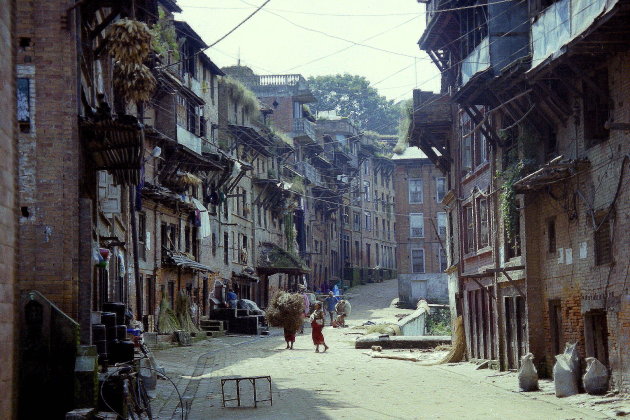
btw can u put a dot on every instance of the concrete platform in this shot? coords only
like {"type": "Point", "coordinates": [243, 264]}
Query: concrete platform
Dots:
{"type": "Point", "coordinates": [401, 342]}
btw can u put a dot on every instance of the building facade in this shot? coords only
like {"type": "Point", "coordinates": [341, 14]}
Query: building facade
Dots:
{"type": "Point", "coordinates": [8, 214]}
{"type": "Point", "coordinates": [551, 113]}
{"type": "Point", "coordinates": [420, 229]}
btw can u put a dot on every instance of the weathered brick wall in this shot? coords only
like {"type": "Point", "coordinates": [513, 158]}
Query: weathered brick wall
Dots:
{"type": "Point", "coordinates": [49, 156]}
{"type": "Point", "coordinates": [578, 282]}
{"type": "Point", "coordinates": [282, 116]}
{"type": "Point", "coordinates": [426, 171]}
{"type": "Point", "coordinates": [8, 216]}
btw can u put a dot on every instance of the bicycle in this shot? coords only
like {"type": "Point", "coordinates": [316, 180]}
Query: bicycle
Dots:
{"type": "Point", "coordinates": [136, 404]}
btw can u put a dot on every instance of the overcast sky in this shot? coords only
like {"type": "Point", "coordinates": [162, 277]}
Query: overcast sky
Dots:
{"type": "Point", "coordinates": [272, 41]}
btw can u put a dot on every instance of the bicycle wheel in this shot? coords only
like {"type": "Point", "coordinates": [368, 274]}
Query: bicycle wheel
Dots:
{"type": "Point", "coordinates": [144, 402]}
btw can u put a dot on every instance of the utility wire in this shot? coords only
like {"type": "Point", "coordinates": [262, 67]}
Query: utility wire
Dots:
{"type": "Point", "coordinates": [237, 26]}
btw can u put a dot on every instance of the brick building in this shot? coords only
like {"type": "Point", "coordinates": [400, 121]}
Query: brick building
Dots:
{"type": "Point", "coordinates": [8, 215]}
{"type": "Point", "coordinates": [420, 228]}
{"type": "Point", "coordinates": [551, 110]}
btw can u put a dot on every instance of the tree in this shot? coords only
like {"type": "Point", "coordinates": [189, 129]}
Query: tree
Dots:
{"type": "Point", "coordinates": [352, 96]}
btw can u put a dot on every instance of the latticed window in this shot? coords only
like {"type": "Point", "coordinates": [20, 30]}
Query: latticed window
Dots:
{"type": "Point", "coordinates": [484, 231]}
{"type": "Point", "coordinates": [469, 225]}
{"type": "Point", "coordinates": [603, 251]}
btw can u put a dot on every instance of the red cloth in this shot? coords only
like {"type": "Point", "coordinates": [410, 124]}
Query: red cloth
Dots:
{"type": "Point", "coordinates": [289, 335]}
{"type": "Point", "coordinates": [318, 337]}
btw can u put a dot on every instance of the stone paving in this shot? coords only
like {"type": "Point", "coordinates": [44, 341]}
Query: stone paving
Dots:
{"type": "Point", "coordinates": [344, 383]}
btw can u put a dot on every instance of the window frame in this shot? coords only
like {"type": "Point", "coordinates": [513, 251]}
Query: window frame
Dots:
{"type": "Point", "coordinates": [419, 199]}
{"type": "Point", "coordinates": [416, 216]}
{"type": "Point", "coordinates": [483, 224]}
{"type": "Point", "coordinates": [411, 261]}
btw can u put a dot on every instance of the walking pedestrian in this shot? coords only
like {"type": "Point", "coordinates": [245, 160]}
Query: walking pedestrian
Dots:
{"type": "Point", "coordinates": [330, 303]}
{"type": "Point", "coordinates": [289, 337]}
{"type": "Point", "coordinates": [317, 325]}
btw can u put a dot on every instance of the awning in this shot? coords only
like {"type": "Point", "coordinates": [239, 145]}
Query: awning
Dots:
{"type": "Point", "coordinates": [115, 145]}
{"type": "Point", "coordinates": [179, 259]}
{"type": "Point", "coordinates": [246, 274]}
{"type": "Point", "coordinates": [274, 259]}
{"type": "Point", "coordinates": [554, 171]}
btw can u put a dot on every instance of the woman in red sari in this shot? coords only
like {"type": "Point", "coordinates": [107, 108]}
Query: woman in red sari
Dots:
{"type": "Point", "coordinates": [317, 325]}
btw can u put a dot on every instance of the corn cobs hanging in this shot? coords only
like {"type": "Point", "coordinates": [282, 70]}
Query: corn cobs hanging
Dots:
{"type": "Point", "coordinates": [129, 42]}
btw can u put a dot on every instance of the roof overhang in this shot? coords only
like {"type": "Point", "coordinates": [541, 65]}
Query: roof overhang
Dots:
{"type": "Point", "coordinates": [274, 259]}
{"type": "Point", "coordinates": [180, 260]}
{"type": "Point", "coordinates": [252, 138]}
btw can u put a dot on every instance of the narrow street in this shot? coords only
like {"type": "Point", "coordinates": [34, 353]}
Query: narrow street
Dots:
{"type": "Point", "coordinates": [345, 383]}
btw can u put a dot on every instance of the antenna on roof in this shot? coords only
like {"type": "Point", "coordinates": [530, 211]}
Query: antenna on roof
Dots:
{"type": "Point", "coordinates": [238, 60]}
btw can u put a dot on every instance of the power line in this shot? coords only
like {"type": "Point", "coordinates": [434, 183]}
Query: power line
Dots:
{"type": "Point", "coordinates": [239, 25]}
{"type": "Point", "coordinates": [334, 36]}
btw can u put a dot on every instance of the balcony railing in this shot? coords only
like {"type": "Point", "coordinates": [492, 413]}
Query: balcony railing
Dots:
{"type": "Point", "coordinates": [303, 128]}
{"type": "Point", "coordinates": [274, 80]}
{"type": "Point", "coordinates": [309, 172]}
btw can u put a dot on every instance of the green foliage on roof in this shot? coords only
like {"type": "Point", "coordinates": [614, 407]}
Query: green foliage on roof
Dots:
{"type": "Point", "coordinates": [164, 38]}
{"type": "Point", "coordinates": [404, 123]}
{"type": "Point", "coordinates": [240, 93]}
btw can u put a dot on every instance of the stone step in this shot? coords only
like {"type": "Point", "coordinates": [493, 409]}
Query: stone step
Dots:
{"type": "Point", "coordinates": [212, 328]}
{"type": "Point", "coordinates": [214, 334]}
{"type": "Point", "coordinates": [212, 323]}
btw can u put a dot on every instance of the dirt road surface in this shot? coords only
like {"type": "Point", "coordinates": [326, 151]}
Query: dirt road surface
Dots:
{"type": "Point", "coordinates": [345, 383]}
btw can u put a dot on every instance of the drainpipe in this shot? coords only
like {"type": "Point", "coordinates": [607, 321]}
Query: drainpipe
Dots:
{"type": "Point", "coordinates": [136, 262]}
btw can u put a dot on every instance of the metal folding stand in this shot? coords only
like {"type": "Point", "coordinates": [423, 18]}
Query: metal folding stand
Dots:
{"type": "Point", "coordinates": [252, 380]}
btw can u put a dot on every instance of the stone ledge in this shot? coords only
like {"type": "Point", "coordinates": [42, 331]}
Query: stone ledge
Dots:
{"type": "Point", "coordinates": [402, 342]}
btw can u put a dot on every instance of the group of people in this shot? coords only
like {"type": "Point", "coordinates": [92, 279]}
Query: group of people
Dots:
{"type": "Point", "coordinates": [331, 305]}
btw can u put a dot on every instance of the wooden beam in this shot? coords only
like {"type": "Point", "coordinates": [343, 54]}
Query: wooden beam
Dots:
{"type": "Point", "coordinates": [512, 282]}
{"type": "Point", "coordinates": [484, 287]}
{"type": "Point", "coordinates": [109, 19]}
{"type": "Point", "coordinates": [580, 74]}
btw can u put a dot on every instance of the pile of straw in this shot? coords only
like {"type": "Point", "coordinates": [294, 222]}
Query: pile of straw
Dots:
{"type": "Point", "coordinates": [167, 320]}
{"type": "Point", "coordinates": [286, 310]}
{"type": "Point", "coordinates": [184, 314]}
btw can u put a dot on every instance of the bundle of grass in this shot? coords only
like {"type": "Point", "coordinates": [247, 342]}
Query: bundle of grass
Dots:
{"type": "Point", "coordinates": [134, 82]}
{"type": "Point", "coordinates": [167, 320]}
{"type": "Point", "coordinates": [129, 41]}
{"type": "Point", "coordinates": [187, 178]}
{"type": "Point", "coordinates": [184, 313]}
{"type": "Point", "coordinates": [404, 126]}
{"type": "Point", "coordinates": [286, 310]}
